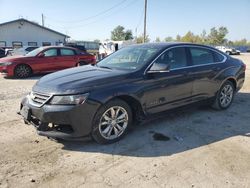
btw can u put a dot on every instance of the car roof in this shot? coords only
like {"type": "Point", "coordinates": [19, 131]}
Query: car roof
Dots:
{"type": "Point", "coordinates": [48, 47]}
{"type": "Point", "coordinates": [170, 44]}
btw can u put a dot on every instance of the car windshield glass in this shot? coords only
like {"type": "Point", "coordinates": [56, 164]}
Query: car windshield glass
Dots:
{"type": "Point", "coordinates": [33, 53]}
{"type": "Point", "coordinates": [129, 58]}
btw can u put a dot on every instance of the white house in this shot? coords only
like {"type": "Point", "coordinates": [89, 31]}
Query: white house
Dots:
{"type": "Point", "coordinates": [22, 32]}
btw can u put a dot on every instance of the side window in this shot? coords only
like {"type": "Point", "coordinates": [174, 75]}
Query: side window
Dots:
{"type": "Point", "coordinates": [218, 57]}
{"type": "Point", "coordinates": [29, 49]}
{"type": "Point", "coordinates": [50, 52]}
{"type": "Point", "coordinates": [67, 52]}
{"type": "Point", "coordinates": [201, 56]}
{"type": "Point", "coordinates": [175, 58]}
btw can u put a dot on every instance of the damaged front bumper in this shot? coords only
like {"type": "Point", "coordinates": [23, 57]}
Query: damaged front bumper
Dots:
{"type": "Point", "coordinates": [69, 122]}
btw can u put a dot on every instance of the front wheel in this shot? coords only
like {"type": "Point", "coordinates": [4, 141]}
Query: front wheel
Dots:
{"type": "Point", "coordinates": [111, 122]}
{"type": "Point", "coordinates": [22, 71]}
{"type": "Point", "coordinates": [224, 97]}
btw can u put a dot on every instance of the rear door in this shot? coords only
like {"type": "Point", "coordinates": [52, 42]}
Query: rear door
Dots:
{"type": "Point", "coordinates": [166, 90]}
{"type": "Point", "coordinates": [206, 65]}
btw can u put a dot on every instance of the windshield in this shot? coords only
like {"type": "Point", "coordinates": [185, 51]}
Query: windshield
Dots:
{"type": "Point", "coordinates": [129, 58]}
{"type": "Point", "coordinates": [33, 53]}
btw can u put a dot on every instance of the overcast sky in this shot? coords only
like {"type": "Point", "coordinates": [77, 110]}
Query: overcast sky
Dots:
{"type": "Point", "coordinates": [94, 19]}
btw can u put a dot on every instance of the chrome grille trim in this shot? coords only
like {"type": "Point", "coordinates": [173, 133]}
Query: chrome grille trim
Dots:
{"type": "Point", "coordinates": [39, 99]}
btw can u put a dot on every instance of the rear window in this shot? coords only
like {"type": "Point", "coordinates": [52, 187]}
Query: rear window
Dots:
{"type": "Point", "coordinates": [66, 52]}
{"type": "Point", "coordinates": [218, 57]}
{"type": "Point", "coordinates": [201, 56]}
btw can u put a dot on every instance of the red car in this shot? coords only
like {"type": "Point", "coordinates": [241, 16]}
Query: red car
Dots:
{"type": "Point", "coordinates": [43, 60]}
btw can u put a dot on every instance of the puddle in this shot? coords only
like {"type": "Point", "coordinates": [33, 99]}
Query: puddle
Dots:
{"type": "Point", "coordinates": [160, 137]}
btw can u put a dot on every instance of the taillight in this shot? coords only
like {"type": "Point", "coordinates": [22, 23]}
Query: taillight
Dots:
{"type": "Point", "coordinates": [244, 66]}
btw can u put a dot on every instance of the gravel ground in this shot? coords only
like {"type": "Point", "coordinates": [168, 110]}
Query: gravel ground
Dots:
{"type": "Point", "coordinates": [203, 148]}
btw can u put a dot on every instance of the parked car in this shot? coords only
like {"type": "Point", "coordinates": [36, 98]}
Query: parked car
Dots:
{"type": "Point", "coordinates": [79, 47]}
{"type": "Point", "coordinates": [2, 53]}
{"type": "Point", "coordinates": [228, 50]}
{"type": "Point", "coordinates": [104, 100]}
{"type": "Point", "coordinates": [43, 60]}
{"type": "Point", "coordinates": [22, 51]}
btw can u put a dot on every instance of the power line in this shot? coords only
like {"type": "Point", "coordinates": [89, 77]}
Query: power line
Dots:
{"type": "Point", "coordinates": [91, 17]}
{"type": "Point", "coordinates": [103, 18]}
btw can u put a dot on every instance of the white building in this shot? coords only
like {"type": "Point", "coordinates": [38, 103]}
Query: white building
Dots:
{"type": "Point", "coordinates": [21, 32]}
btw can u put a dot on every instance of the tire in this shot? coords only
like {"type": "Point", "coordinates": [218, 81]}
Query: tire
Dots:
{"type": "Point", "coordinates": [228, 53]}
{"type": "Point", "coordinates": [22, 71]}
{"type": "Point", "coordinates": [105, 128]}
{"type": "Point", "coordinates": [81, 63]}
{"type": "Point", "coordinates": [224, 97]}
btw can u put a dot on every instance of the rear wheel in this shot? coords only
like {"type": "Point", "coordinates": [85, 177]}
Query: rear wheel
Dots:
{"type": "Point", "coordinates": [224, 97]}
{"type": "Point", "coordinates": [22, 71]}
{"type": "Point", "coordinates": [228, 53]}
{"type": "Point", "coordinates": [81, 63]}
{"type": "Point", "coordinates": [111, 122]}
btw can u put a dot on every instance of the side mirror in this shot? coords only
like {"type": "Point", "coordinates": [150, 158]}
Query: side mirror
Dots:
{"type": "Point", "coordinates": [159, 67]}
{"type": "Point", "coordinates": [41, 55]}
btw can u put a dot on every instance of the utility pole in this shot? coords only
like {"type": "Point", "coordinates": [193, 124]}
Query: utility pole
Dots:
{"type": "Point", "coordinates": [145, 22]}
{"type": "Point", "coordinates": [42, 20]}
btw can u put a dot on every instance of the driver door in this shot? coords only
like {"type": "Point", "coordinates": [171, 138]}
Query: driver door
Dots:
{"type": "Point", "coordinates": [169, 88]}
{"type": "Point", "coordinates": [48, 62]}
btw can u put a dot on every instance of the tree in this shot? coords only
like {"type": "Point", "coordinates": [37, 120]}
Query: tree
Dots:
{"type": "Point", "coordinates": [242, 42]}
{"type": "Point", "coordinates": [178, 38]}
{"type": "Point", "coordinates": [191, 37]}
{"type": "Point", "coordinates": [140, 39]}
{"type": "Point", "coordinates": [119, 34]}
{"type": "Point", "coordinates": [203, 37]}
{"type": "Point", "coordinates": [157, 39]}
{"type": "Point", "coordinates": [217, 36]}
{"type": "Point", "coordinates": [169, 39]}
{"type": "Point", "coordinates": [129, 35]}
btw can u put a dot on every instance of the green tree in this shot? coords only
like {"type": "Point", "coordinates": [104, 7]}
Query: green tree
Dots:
{"type": "Point", "coordinates": [217, 36]}
{"type": "Point", "coordinates": [119, 34]}
{"type": "Point", "coordinates": [169, 39]}
{"type": "Point", "coordinates": [140, 39]}
{"type": "Point", "coordinates": [242, 42]}
{"type": "Point", "coordinates": [178, 38]}
{"type": "Point", "coordinates": [191, 37]}
{"type": "Point", "coordinates": [157, 39]}
{"type": "Point", "coordinates": [203, 37]}
{"type": "Point", "coordinates": [129, 35]}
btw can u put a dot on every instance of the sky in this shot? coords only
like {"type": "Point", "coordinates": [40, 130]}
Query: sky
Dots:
{"type": "Point", "coordinates": [95, 19]}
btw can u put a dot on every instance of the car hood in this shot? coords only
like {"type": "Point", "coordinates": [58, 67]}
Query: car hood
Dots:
{"type": "Point", "coordinates": [78, 80]}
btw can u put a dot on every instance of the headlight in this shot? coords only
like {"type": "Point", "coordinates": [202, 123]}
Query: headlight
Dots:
{"type": "Point", "coordinates": [5, 63]}
{"type": "Point", "coordinates": [69, 99]}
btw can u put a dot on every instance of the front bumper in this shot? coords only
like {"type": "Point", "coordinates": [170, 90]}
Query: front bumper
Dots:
{"type": "Point", "coordinates": [6, 71]}
{"type": "Point", "coordinates": [60, 121]}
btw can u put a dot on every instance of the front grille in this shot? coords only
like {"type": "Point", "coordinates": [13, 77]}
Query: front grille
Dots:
{"type": "Point", "coordinates": [39, 99]}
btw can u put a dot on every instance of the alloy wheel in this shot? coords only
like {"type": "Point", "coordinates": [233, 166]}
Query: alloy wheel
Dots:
{"type": "Point", "coordinates": [226, 95]}
{"type": "Point", "coordinates": [113, 122]}
{"type": "Point", "coordinates": [22, 71]}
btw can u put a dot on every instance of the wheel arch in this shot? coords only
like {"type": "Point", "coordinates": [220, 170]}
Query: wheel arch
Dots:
{"type": "Point", "coordinates": [135, 105]}
{"type": "Point", "coordinates": [233, 80]}
{"type": "Point", "coordinates": [23, 64]}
